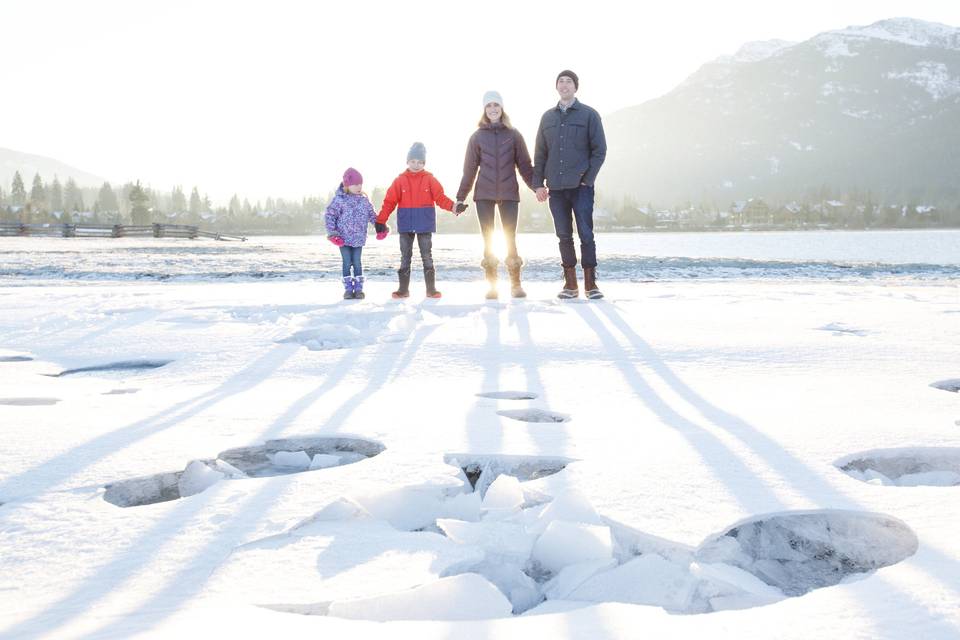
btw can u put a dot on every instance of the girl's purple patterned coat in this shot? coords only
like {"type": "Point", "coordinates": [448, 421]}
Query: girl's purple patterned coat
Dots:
{"type": "Point", "coordinates": [348, 215]}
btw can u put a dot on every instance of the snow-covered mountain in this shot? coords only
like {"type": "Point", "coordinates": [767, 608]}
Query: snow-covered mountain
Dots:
{"type": "Point", "coordinates": [28, 165]}
{"type": "Point", "coordinates": [871, 108]}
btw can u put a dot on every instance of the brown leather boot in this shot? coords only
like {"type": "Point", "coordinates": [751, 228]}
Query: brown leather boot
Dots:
{"type": "Point", "coordinates": [590, 283]}
{"type": "Point", "coordinates": [570, 288]}
{"type": "Point", "coordinates": [513, 268]}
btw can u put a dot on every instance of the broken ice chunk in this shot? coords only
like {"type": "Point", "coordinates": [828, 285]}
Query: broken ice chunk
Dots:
{"type": "Point", "coordinates": [464, 597]}
{"type": "Point", "coordinates": [324, 461]}
{"type": "Point", "coordinates": [463, 506]}
{"type": "Point", "coordinates": [290, 459]}
{"type": "Point", "coordinates": [504, 540]}
{"type": "Point", "coordinates": [565, 543]}
{"type": "Point", "coordinates": [504, 493]}
{"type": "Point", "coordinates": [196, 478]}
{"type": "Point", "coordinates": [229, 470]}
{"type": "Point", "coordinates": [572, 576]}
{"type": "Point", "coordinates": [649, 579]}
{"type": "Point", "coordinates": [571, 506]}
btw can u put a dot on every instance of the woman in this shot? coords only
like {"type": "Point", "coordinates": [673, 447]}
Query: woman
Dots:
{"type": "Point", "coordinates": [497, 151]}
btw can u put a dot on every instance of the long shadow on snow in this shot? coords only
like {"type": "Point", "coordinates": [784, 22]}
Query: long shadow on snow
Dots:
{"type": "Point", "coordinates": [190, 580]}
{"type": "Point", "coordinates": [797, 473]}
{"type": "Point", "coordinates": [752, 494]}
{"type": "Point", "coordinates": [63, 466]}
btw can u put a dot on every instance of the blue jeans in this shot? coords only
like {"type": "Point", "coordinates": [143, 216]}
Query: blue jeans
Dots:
{"type": "Point", "coordinates": [351, 258]}
{"type": "Point", "coordinates": [567, 205]}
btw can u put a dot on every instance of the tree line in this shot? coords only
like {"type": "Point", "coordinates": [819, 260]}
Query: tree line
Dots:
{"type": "Point", "coordinates": [132, 203]}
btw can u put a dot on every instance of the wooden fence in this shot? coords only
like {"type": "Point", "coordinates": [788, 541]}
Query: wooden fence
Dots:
{"type": "Point", "coordinates": [80, 230]}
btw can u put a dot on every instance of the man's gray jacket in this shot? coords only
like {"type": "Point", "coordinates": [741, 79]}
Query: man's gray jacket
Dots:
{"type": "Point", "coordinates": [570, 147]}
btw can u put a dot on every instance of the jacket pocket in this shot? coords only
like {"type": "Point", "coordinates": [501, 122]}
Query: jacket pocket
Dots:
{"type": "Point", "coordinates": [578, 134]}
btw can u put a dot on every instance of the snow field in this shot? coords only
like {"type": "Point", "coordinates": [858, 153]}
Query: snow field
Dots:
{"type": "Point", "coordinates": [705, 420]}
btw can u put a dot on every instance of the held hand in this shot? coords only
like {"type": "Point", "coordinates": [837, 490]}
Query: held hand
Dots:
{"type": "Point", "coordinates": [542, 194]}
{"type": "Point", "coordinates": [460, 208]}
{"type": "Point", "coordinates": [382, 230]}
{"type": "Point", "coordinates": [337, 240]}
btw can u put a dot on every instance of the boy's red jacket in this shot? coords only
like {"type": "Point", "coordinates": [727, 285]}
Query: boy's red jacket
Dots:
{"type": "Point", "coordinates": [414, 194]}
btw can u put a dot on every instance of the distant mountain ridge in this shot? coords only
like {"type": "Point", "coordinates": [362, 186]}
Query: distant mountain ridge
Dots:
{"type": "Point", "coordinates": [873, 108]}
{"type": "Point", "coordinates": [28, 165]}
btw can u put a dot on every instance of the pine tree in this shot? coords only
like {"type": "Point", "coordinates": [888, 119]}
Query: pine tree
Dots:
{"type": "Point", "coordinates": [107, 201]}
{"type": "Point", "coordinates": [71, 197]}
{"type": "Point", "coordinates": [38, 195]}
{"type": "Point", "coordinates": [195, 205]}
{"type": "Point", "coordinates": [178, 201]}
{"type": "Point", "coordinates": [18, 192]}
{"type": "Point", "coordinates": [235, 206]}
{"type": "Point", "coordinates": [139, 213]}
{"type": "Point", "coordinates": [56, 195]}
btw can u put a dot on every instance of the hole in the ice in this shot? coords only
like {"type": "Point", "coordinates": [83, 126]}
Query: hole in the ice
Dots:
{"type": "Point", "coordinates": [799, 552]}
{"type": "Point", "coordinates": [534, 415]}
{"type": "Point", "coordinates": [114, 367]}
{"type": "Point", "coordinates": [913, 467]}
{"type": "Point", "coordinates": [509, 395]}
{"type": "Point", "coordinates": [273, 458]}
{"type": "Point", "coordinates": [482, 470]}
{"type": "Point", "coordinates": [952, 385]}
{"type": "Point", "coordinates": [15, 359]}
{"type": "Point", "coordinates": [29, 402]}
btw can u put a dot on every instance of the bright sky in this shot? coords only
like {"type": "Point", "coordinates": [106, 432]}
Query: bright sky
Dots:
{"type": "Point", "coordinates": [278, 98]}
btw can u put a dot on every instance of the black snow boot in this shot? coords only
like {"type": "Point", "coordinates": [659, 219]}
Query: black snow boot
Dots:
{"type": "Point", "coordinates": [404, 290]}
{"type": "Point", "coordinates": [430, 278]}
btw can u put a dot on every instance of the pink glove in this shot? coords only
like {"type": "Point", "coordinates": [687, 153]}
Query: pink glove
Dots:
{"type": "Point", "coordinates": [382, 230]}
{"type": "Point", "coordinates": [382, 235]}
{"type": "Point", "coordinates": [337, 240]}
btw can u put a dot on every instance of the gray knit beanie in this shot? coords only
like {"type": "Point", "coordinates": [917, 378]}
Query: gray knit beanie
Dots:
{"type": "Point", "coordinates": [417, 152]}
{"type": "Point", "coordinates": [492, 96]}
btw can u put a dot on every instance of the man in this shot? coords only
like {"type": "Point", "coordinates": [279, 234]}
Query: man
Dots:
{"type": "Point", "coordinates": [569, 151]}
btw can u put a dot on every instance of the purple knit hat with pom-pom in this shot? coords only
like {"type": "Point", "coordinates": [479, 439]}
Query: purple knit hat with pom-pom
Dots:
{"type": "Point", "coordinates": [351, 177]}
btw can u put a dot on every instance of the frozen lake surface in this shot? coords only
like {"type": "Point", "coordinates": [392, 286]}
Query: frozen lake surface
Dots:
{"type": "Point", "coordinates": [835, 255]}
{"type": "Point", "coordinates": [751, 436]}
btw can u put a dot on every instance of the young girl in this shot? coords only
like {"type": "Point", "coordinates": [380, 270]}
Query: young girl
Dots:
{"type": "Point", "coordinates": [347, 217]}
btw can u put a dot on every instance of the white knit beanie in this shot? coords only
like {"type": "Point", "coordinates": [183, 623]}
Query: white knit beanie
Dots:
{"type": "Point", "coordinates": [492, 96]}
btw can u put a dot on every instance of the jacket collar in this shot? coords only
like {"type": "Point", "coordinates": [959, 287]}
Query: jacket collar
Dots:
{"type": "Point", "coordinates": [573, 105]}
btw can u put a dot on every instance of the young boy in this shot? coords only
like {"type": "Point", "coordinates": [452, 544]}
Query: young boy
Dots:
{"type": "Point", "coordinates": [415, 191]}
